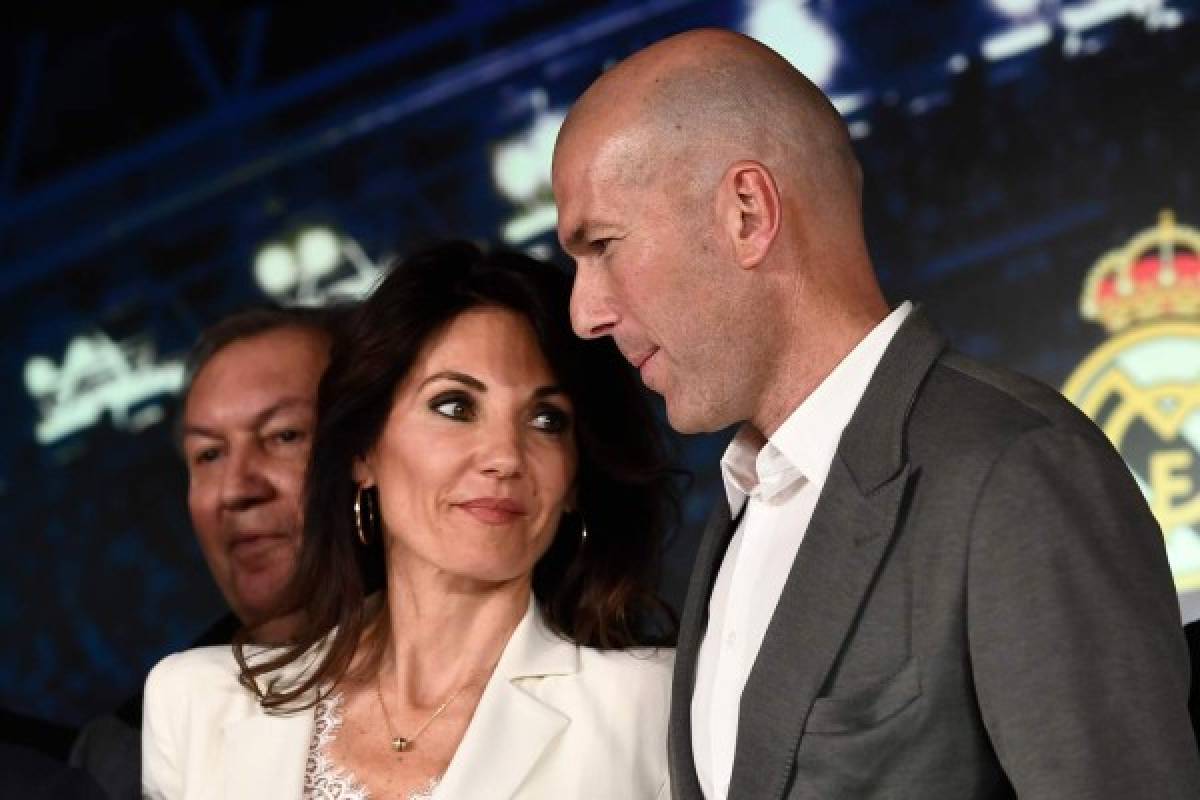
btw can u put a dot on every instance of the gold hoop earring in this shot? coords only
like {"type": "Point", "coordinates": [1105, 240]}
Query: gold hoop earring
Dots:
{"type": "Point", "coordinates": [362, 503]}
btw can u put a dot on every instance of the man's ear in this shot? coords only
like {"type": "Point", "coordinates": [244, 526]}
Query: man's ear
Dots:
{"type": "Point", "coordinates": [749, 209]}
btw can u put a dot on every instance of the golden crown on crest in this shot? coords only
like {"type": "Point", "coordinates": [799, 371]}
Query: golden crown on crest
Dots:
{"type": "Point", "coordinates": [1156, 275]}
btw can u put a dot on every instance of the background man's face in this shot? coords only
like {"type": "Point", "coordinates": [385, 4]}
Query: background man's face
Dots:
{"type": "Point", "coordinates": [248, 424]}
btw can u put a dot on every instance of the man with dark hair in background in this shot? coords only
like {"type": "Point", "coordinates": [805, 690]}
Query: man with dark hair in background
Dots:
{"type": "Point", "coordinates": [248, 416]}
{"type": "Point", "coordinates": [248, 411]}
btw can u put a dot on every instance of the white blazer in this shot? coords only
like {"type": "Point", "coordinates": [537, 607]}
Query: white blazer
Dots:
{"type": "Point", "coordinates": [555, 722]}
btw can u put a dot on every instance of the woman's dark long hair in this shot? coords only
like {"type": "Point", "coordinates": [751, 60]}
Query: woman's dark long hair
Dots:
{"type": "Point", "coordinates": [597, 592]}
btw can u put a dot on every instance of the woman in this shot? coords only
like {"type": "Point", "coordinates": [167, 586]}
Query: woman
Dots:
{"type": "Point", "coordinates": [485, 505]}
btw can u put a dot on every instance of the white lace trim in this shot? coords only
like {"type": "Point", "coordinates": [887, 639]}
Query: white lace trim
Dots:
{"type": "Point", "coordinates": [324, 779]}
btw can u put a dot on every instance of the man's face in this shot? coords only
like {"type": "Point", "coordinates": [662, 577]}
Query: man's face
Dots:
{"type": "Point", "coordinates": [248, 425]}
{"type": "Point", "coordinates": [648, 274]}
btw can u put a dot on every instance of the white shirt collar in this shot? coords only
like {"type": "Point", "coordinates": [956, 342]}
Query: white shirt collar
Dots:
{"type": "Point", "coordinates": [804, 445]}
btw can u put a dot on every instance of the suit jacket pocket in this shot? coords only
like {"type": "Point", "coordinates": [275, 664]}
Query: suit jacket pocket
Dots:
{"type": "Point", "coordinates": [864, 709]}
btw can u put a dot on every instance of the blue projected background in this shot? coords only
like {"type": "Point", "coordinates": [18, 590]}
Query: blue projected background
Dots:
{"type": "Point", "coordinates": [161, 171]}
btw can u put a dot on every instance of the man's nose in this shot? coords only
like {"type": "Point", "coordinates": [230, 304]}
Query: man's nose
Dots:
{"type": "Point", "coordinates": [244, 481]}
{"type": "Point", "coordinates": [593, 312]}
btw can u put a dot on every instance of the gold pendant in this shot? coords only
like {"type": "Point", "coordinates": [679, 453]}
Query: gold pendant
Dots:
{"type": "Point", "coordinates": [401, 745]}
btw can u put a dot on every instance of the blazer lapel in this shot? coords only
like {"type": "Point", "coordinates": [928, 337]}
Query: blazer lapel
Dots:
{"type": "Point", "coordinates": [713, 544]}
{"type": "Point", "coordinates": [839, 556]}
{"type": "Point", "coordinates": [845, 543]}
{"type": "Point", "coordinates": [265, 755]}
{"type": "Point", "coordinates": [512, 727]}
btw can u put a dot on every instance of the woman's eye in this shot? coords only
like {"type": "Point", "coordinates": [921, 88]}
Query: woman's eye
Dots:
{"type": "Point", "coordinates": [452, 407]}
{"type": "Point", "coordinates": [288, 436]}
{"type": "Point", "coordinates": [551, 420]}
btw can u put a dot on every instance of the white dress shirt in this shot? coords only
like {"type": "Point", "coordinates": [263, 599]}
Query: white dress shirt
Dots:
{"type": "Point", "coordinates": [778, 482]}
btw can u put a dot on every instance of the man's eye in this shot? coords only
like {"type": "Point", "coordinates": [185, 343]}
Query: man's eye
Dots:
{"type": "Point", "coordinates": [206, 455]}
{"type": "Point", "coordinates": [551, 420]}
{"type": "Point", "coordinates": [288, 436]}
{"type": "Point", "coordinates": [454, 406]}
{"type": "Point", "coordinates": [599, 246]}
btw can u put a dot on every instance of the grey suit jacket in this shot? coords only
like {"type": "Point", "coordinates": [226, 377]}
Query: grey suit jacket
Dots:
{"type": "Point", "coordinates": [981, 608]}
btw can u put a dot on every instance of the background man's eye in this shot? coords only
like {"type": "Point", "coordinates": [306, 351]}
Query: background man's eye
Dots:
{"type": "Point", "coordinates": [206, 456]}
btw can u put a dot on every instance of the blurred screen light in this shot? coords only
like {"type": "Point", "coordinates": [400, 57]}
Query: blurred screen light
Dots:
{"type": "Point", "coordinates": [1163, 19]}
{"type": "Point", "coordinates": [521, 165]}
{"type": "Point", "coordinates": [521, 170]}
{"type": "Point", "coordinates": [99, 379]}
{"type": "Point", "coordinates": [790, 29]}
{"type": "Point", "coordinates": [41, 375]}
{"type": "Point", "coordinates": [535, 222]}
{"type": "Point", "coordinates": [1016, 8]}
{"type": "Point", "coordinates": [318, 251]}
{"type": "Point", "coordinates": [275, 268]}
{"type": "Point", "coordinates": [847, 104]}
{"type": "Point", "coordinates": [1016, 41]}
{"type": "Point", "coordinates": [1083, 16]}
{"type": "Point", "coordinates": [958, 63]}
{"type": "Point", "coordinates": [315, 266]}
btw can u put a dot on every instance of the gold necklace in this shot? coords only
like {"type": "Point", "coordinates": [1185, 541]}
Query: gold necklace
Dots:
{"type": "Point", "coordinates": [401, 744]}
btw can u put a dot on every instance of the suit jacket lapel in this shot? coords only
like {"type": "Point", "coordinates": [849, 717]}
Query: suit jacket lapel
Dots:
{"type": "Point", "coordinates": [836, 562]}
{"type": "Point", "coordinates": [512, 727]}
{"type": "Point", "coordinates": [713, 544]}
{"type": "Point", "coordinates": [845, 543]}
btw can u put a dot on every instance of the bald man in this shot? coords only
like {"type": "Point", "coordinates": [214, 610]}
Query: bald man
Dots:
{"type": "Point", "coordinates": [927, 579]}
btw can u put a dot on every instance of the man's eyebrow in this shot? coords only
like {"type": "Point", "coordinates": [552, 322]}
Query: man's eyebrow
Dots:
{"type": "Point", "coordinates": [284, 404]}
{"type": "Point", "coordinates": [578, 238]}
{"type": "Point", "coordinates": [547, 391]}
{"type": "Point", "coordinates": [459, 377]}
{"type": "Point", "coordinates": [200, 430]}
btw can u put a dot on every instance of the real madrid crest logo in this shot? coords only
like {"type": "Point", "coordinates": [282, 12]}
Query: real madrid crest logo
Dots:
{"type": "Point", "coordinates": [1142, 386]}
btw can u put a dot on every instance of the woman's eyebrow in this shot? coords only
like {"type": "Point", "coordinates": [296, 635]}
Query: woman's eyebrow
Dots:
{"type": "Point", "coordinates": [478, 385]}
{"type": "Point", "coordinates": [459, 377]}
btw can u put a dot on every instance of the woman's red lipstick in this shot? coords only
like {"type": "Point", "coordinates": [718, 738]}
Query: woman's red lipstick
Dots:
{"type": "Point", "coordinates": [493, 510]}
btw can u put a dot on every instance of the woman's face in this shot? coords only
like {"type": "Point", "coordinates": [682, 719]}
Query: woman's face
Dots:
{"type": "Point", "coordinates": [477, 457]}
